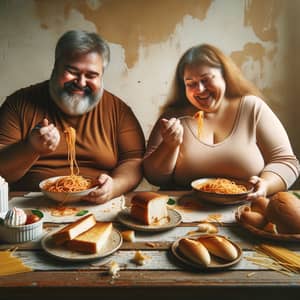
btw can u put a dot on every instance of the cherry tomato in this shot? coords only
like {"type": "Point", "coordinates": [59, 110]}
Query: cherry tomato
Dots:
{"type": "Point", "coordinates": [32, 219]}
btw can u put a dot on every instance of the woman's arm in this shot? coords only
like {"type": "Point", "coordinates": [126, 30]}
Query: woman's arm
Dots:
{"type": "Point", "coordinates": [281, 166]}
{"type": "Point", "coordinates": [162, 151]}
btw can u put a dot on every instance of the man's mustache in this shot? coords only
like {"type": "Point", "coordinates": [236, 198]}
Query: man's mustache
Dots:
{"type": "Point", "coordinates": [72, 86]}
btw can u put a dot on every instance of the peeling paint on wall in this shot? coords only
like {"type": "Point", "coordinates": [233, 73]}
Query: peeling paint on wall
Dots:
{"type": "Point", "coordinates": [262, 16]}
{"type": "Point", "coordinates": [130, 23]}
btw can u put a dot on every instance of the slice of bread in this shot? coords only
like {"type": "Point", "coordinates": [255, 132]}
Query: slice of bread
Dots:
{"type": "Point", "coordinates": [149, 207]}
{"type": "Point", "coordinates": [92, 240]}
{"type": "Point", "coordinates": [74, 229]}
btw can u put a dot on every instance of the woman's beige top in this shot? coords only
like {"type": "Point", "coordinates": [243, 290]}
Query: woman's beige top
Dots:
{"type": "Point", "coordinates": [258, 142]}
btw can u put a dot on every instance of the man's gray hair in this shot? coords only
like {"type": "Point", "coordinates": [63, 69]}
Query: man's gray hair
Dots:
{"type": "Point", "coordinates": [76, 42]}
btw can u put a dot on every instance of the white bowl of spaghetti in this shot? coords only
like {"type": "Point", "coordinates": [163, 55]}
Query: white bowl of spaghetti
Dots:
{"type": "Point", "coordinates": [67, 189]}
{"type": "Point", "coordinates": [222, 190]}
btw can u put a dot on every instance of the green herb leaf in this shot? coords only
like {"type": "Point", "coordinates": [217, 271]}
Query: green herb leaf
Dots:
{"type": "Point", "coordinates": [37, 213]}
{"type": "Point", "coordinates": [1, 221]}
{"type": "Point", "coordinates": [171, 201]}
{"type": "Point", "coordinates": [296, 194]}
{"type": "Point", "coordinates": [82, 213]}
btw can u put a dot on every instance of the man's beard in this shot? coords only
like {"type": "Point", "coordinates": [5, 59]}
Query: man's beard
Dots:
{"type": "Point", "coordinates": [74, 104]}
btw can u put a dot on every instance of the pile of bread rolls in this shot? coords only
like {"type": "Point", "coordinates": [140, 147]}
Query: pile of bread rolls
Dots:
{"type": "Point", "coordinates": [279, 214]}
{"type": "Point", "coordinates": [199, 250]}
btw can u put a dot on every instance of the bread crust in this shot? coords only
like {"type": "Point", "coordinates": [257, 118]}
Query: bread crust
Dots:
{"type": "Point", "coordinates": [260, 205]}
{"type": "Point", "coordinates": [143, 198]}
{"type": "Point", "coordinates": [195, 251]}
{"type": "Point", "coordinates": [284, 211]}
{"type": "Point", "coordinates": [141, 203]}
{"type": "Point", "coordinates": [74, 229]}
{"type": "Point", "coordinates": [220, 247]}
{"type": "Point", "coordinates": [92, 240]}
{"type": "Point", "coordinates": [253, 218]}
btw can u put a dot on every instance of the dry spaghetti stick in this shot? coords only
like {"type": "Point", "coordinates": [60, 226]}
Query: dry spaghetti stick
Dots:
{"type": "Point", "coordinates": [272, 265]}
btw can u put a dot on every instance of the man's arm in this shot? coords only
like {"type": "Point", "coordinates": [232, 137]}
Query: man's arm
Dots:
{"type": "Point", "coordinates": [16, 159]}
{"type": "Point", "coordinates": [123, 179]}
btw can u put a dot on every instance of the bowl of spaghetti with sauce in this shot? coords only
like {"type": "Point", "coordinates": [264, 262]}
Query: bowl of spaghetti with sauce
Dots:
{"type": "Point", "coordinates": [73, 187]}
{"type": "Point", "coordinates": [67, 189]}
{"type": "Point", "coordinates": [224, 191]}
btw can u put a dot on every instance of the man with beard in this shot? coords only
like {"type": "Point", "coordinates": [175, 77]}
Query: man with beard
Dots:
{"type": "Point", "coordinates": [109, 139]}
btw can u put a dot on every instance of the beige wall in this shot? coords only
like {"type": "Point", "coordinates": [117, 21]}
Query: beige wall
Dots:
{"type": "Point", "coordinates": [147, 37]}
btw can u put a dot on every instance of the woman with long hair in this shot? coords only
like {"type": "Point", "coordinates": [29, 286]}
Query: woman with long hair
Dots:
{"type": "Point", "coordinates": [216, 124]}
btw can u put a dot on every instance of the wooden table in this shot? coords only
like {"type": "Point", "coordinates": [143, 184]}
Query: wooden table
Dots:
{"type": "Point", "coordinates": [162, 277]}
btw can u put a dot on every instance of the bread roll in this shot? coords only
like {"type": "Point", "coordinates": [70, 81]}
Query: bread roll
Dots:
{"type": "Point", "coordinates": [220, 247]}
{"type": "Point", "coordinates": [259, 205]}
{"type": "Point", "coordinates": [253, 218]}
{"type": "Point", "coordinates": [284, 211]}
{"type": "Point", "coordinates": [194, 251]}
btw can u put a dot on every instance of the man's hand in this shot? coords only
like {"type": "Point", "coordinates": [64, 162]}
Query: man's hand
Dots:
{"type": "Point", "coordinates": [105, 191]}
{"type": "Point", "coordinates": [44, 138]}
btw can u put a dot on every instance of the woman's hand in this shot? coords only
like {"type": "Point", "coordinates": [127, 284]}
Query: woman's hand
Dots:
{"type": "Point", "coordinates": [260, 188]}
{"type": "Point", "coordinates": [44, 138]}
{"type": "Point", "coordinates": [171, 131]}
{"type": "Point", "coordinates": [105, 191]}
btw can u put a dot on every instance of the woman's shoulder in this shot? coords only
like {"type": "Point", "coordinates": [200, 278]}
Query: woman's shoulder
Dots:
{"type": "Point", "coordinates": [252, 102]}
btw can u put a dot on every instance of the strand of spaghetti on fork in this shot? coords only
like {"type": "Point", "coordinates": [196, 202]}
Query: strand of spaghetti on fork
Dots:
{"type": "Point", "coordinates": [74, 182]}
{"type": "Point", "coordinates": [70, 134]}
{"type": "Point", "coordinates": [199, 117]}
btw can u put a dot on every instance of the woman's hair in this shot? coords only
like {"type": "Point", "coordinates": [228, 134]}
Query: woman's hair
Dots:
{"type": "Point", "coordinates": [78, 42]}
{"type": "Point", "coordinates": [236, 84]}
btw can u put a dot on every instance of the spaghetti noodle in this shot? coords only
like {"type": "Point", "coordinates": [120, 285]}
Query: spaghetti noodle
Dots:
{"type": "Point", "coordinates": [199, 117]}
{"type": "Point", "coordinates": [276, 258]}
{"type": "Point", "coordinates": [74, 182]}
{"type": "Point", "coordinates": [222, 186]}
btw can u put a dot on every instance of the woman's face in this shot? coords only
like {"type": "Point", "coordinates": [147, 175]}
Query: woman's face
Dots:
{"type": "Point", "coordinates": [204, 87]}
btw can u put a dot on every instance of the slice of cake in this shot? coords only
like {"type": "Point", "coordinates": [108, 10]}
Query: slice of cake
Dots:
{"type": "Point", "coordinates": [74, 229]}
{"type": "Point", "coordinates": [149, 207]}
{"type": "Point", "coordinates": [92, 240]}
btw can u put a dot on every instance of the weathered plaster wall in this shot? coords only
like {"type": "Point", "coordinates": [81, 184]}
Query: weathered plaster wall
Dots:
{"type": "Point", "coordinates": [147, 37]}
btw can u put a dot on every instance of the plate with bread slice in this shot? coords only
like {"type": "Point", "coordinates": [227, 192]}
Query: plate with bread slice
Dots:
{"type": "Point", "coordinates": [169, 221]}
{"type": "Point", "coordinates": [149, 212]}
{"type": "Point", "coordinates": [84, 239]}
{"type": "Point", "coordinates": [277, 218]}
{"type": "Point", "coordinates": [206, 251]}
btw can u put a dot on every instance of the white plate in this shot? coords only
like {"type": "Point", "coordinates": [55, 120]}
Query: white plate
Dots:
{"type": "Point", "coordinates": [216, 263]}
{"type": "Point", "coordinates": [125, 218]}
{"type": "Point", "coordinates": [60, 251]}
